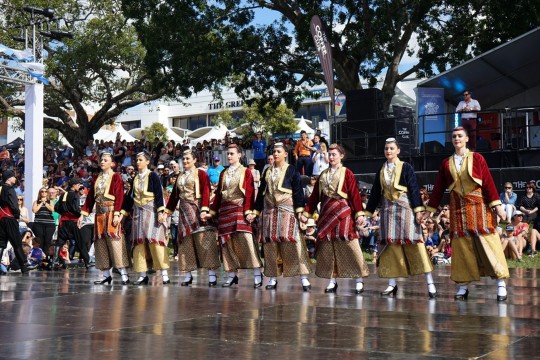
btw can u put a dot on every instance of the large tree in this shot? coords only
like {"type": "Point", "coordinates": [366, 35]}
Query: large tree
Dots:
{"type": "Point", "coordinates": [94, 76]}
{"type": "Point", "coordinates": [369, 39]}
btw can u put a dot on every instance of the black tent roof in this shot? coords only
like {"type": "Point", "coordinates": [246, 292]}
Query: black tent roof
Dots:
{"type": "Point", "coordinates": [496, 75]}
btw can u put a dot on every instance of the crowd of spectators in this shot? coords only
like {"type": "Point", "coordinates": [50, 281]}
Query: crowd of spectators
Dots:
{"type": "Point", "coordinates": [310, 156]}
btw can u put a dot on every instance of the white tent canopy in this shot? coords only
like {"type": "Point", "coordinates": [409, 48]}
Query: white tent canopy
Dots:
{"type": "Point", "coordinates": [216, 132]}
{"type": "Point", "coordinates": [171, 135]}
{"type": "Point", "coordinates": [102, 134]}
{"type": "Point", "coordinates": [302, 125]}
{"type": "Point", "coordinates": [124, 135]}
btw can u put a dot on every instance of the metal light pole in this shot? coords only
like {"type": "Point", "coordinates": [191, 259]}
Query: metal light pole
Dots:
{"type": "Point", "coordinates": [33, 139]}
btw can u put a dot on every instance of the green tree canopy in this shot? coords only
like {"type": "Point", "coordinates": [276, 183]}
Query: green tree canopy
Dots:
{"type": "Point", "coordinates": [94, 77]}
{"type": "Point", "coordinates": [369, 38]}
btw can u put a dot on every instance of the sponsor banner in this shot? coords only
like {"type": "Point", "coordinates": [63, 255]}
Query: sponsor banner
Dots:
{"type": "Point", "coordinates": [431, 106]}
{"type": "Point", "coordinates": [325, 53]}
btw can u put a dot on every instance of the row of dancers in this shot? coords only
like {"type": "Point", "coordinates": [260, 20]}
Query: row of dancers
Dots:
{"type": "Point", "coordinates": [277, 211]}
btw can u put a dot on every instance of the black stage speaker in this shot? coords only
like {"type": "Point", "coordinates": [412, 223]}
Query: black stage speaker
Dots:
{"type": "Point", "coordinates": [364, 104]}
{"type": "Point", "coordinates": [431, 147]}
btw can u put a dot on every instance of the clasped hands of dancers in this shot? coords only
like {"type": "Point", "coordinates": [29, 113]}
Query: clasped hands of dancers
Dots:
{"type": "Point", "coordinates": [280, 205]}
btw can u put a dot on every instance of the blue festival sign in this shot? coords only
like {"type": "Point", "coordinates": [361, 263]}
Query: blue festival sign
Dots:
{"type": "Point", "coordinates": [431, 118]}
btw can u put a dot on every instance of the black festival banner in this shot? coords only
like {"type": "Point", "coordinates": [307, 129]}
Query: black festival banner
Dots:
{"type": "Point", "coordinates": [325, 53]}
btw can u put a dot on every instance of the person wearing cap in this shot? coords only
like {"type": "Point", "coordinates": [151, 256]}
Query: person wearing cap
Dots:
{"type": "Point", "coordinates": [215, 170]}
{"type": "Point", "coordinates": [9, 219]}
{"type": "Point", "coordinates": [338, 250]}
{"type": "Point", "coordinates": [107, 194]}
{"type": "Point", "coordinates": [509, 240]}
{"type": "Point", "coordinates": [259, 151]}
{"type": "Point", "coordinates": [233, 207]}
{"type": "Point", "coordinates": [69, 208]}
{"type": "Point", "coordinates": [474, 207]}
{"type": "Point", "coordinates": [521, 231]}
{"type": "Point", "coordinates": [148, 230]}
{"type": "Point", "coordinates": [197, 238]}
{"type": "Point", "coordinates": [402, 252]}
{"type": "Point", "coordinates": [279, 201]}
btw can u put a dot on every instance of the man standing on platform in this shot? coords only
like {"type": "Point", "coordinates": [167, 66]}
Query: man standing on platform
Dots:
{"type": "Point", "coordinates": [468, 109]}
{"type": "Point", "coordinates": [474, 206]}
{"type": "Point", "coordinates": [9, 219]}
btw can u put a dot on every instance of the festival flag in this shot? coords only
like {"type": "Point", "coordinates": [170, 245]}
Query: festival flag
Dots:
{"type": "Point", "coordinates": [325, 53]}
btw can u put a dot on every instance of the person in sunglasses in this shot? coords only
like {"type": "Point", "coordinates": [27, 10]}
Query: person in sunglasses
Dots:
{"type": "Point", "coordinates": [468, 108]}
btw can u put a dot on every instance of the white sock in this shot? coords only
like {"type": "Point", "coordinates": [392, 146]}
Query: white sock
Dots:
{"type": "Point", "coordinates": [231, 276]}
{"type": "Point", "coordinates": [106, 273]}
{"type": "Point", "coordinates": [501, 288]}
{"type": "Point", "coordinates": [462, 290]}
{"type": "Point", "coordinates": [142, 275]}
{"type": "Point", "coordinates": [272, 281]}
{"type": "Point", "coordinates": [188, 276]}
{"type": "Point", "coordinates": [305, 280]}
{"type": "Point", "coordinates": [211, 272]}
{"type": "Point", "coordinates": [257, 272]}
{"type": "Point", "coordinates": [391, 284]}
{"type": "Point", "coordinates": [431, 285]}
{"type": "Point", "coordinates": [123, 271]}
{"type": "Point", "coordinates": [359, 283]}
{"type": "Point", "coordinates": [164, 275]}
{"type": "Point", "coordinates": [332, 284]}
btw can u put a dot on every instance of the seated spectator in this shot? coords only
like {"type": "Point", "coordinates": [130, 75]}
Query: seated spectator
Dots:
{"type": "Point", "coordinates": [530, 203]}
{"type": "Point", "coordinates": [521, 232]}
{"type": "Point", "coordinates": [508, 198]}
{"type": "Point", "coordinates": [62, 179]}
{"type": "Point", "coordinates": [369, 232]}
{"type": "Point", "coordinates": [425, 195]}
{"type": "Point", "coordinates": [310, 236]}
{"type": "Point", "coordinates": [433, 232]}
{"type": "Point", "coordinates": [443, 252]}
{"type": "Point", "coordinates": [508, 240]}
{"type": "Point", "coordinates": [443, 215]}
{"type": "Point", "coordinates": [308, 189]}
{"type": "Point", "coordinates": [36, 256]}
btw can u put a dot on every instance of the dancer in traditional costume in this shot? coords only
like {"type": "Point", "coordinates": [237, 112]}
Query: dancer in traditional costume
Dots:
{"type": "Point", "coordinates": [197, 239]}
{"type": "Point", "coordinates": [338, 250]}
{"type": "Point", "coordinates": [148, 231]}
{"type": "Point", "coordinates": [279, 201]}
{"type": "Point", "coordinates": [401, 244]}
{"type": "Point", "coordinates": [474, 206]}
{"type": "Point", "coordinates": [233, 205]}
{"type": "Point", "coordinates": [107, 193]}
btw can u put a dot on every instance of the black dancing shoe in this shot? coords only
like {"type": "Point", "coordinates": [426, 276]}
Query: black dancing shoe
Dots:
{"type": "Point", "coordinates": [212, 283]}
{"type": "Point", "coordinates": [331, 290]}
{"type": "Point", "coordinates": [125, 282]}
{"type": "Point", "coordinates": [432, 295]}
{"type": "Point", "coordinates": [462, 297]}
{"type": "Point", "coordinates": [187, 283]}
{"type": "Point", "coordinates": [105, 280]}
{"type": "Point", "coordinates": [271, 287]}
{"type": "Point", "coordinates": [231, 281]}
{"type": "Point", "coordinates": [392, 291]}
{"type": "Point", "coordinates": [141, 280]}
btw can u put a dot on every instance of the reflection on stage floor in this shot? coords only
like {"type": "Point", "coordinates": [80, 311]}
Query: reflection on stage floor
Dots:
{"type": "Point", "coordinates": [62, 314]}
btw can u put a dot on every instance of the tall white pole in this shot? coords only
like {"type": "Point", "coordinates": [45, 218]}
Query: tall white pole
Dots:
{"type": "Point", "coordinates": [33, 143]}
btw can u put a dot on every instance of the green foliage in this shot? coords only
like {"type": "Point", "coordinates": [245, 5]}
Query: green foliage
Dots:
{"type": "Point", "coordinates": [51, 138]}
{"type": "Point", "coordinates": [156, 130]}
{"type": "Point", "coordinates": [226, 118]}
{"type": "Point", "coordinates": [267, 118]}
{"type": "Point", "coordinates": [220, 42]}
{"type": "Point", "coordinates": [103, 66]}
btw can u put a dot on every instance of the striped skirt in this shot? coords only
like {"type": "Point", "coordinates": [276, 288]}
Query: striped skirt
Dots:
{"type": "Point", "coordinates": [145, 228]}
{"type": "Point", "coordinates": [398, 223]}
{"type": "Point", "coordinates": [279, 222]}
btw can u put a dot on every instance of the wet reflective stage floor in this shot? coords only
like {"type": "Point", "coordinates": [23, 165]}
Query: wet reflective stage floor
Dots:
{"type": "Point", "coordinates": [64, 315]}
